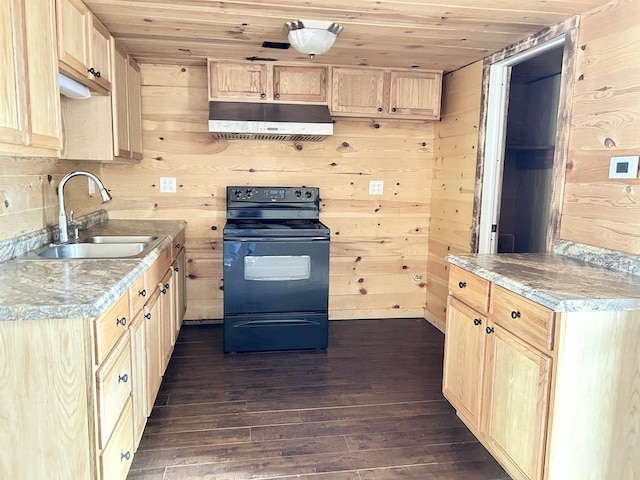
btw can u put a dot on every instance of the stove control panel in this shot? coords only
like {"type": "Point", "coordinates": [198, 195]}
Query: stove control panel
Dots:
{"type": "Point", "coordinates": [272, 194]}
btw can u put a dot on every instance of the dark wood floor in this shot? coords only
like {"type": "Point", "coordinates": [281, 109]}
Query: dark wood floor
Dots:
{"type": "Point", "coordinates": [368, 408]}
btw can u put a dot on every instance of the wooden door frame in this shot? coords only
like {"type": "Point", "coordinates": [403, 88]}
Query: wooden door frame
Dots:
{"type": "Point", "coordinates": [491, 137]}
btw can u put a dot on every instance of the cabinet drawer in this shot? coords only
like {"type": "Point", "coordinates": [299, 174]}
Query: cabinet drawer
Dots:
{"type": "Point", "coordinates": [111, 326]}
{"type": "Point", "coordinates": [471, 289]}
{"type": "Point", "coordinates": [113, 388]}
{"type": "Point", "coordinates": [153, 276]}
{"type": "Point", "coordinates": [137, 295]}
{"type": "Point", "coordinates": [116, 457]}
{"type": "Point", "coordinates": [528, 320]}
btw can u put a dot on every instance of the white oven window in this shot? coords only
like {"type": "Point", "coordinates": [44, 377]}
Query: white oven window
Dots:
{"type": "Point", "coordinates": [277, 268]}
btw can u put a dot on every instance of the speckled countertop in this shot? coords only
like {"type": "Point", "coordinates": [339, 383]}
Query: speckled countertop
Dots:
{"type": "Point", "coordinates": [558, 281]}
{"type": "Point", "coordinates": [75, 288]}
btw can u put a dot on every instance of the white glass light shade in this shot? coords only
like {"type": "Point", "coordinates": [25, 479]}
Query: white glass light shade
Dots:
{"type": "Point", "coordinates": [312, 37]}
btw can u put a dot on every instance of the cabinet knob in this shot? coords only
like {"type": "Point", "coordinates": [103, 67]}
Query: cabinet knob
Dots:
{"type": "Point", "coordinates": [393, 109]}
{"type": "Point", "coordinates": [477, 321]}
{"type": "Point", "coordinates": [123, 378]}
{"type": "Point", "coordinates": [515, 314]}
{"type": "Point", "coordinates": [489, 330]}
{"type": "Point", "coordinates": [263, 95]}
{"type": "Point", "coordinates": [462, 284]}
{"type": "Point", "coordinates": [178, 246]}
{"type": "Point", "coordinates": [176, 269]}
{"type": "Point", "coordinates": [277, 95]}
{"type": "Point", "coordinates": [379, 109]}
{"type": "Point", "coordinates": [163, 291]}
{"type": "Point", "coordinates": [142, 293]}
{"type": "Point", "coordinates": [97, 74]}
{"type": "Point", "coordinates": [121, 321]}
{"type": "Point", "coordinates": [91, 71]}
{"type": "Point", "coordinates": [125, 456]}
{"type": "Point", "coordinates": [148, 316]}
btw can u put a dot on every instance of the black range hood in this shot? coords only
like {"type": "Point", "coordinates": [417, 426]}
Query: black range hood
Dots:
{"type": "Point", "coordinates": [269, 121]}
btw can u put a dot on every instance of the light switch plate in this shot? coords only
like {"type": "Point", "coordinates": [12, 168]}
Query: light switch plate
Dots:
{"type": "Point", "coordinates": [167, 185]}
{"type": "Point", "coordinates": [376, 187]}
{"type": "Point", "coordinates": [624, 167]}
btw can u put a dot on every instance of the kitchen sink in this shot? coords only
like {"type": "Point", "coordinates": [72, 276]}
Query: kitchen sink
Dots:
{"type": "Point", "coordinates": [94, 250]}
{"type": "Point", "coordinates": [118, 239]}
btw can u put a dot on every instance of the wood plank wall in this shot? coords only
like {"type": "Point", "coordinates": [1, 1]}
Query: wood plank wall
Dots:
{"type": "Point", "coordinates": [453, 182]}
{"type": "Point", "coordinates": [379, 243]}
{"type": "Point", "coordinates": [605, 122]}
{"type": "Point", "coordinates": [28, 198]}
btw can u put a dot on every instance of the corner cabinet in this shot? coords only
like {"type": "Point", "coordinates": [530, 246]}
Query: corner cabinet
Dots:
{"type": "Point", "coordinates": [551, 394]}
{"type": "Point", "coordinates": [106, 128]}
{"type": "Point", "coordinates": [29, 99]}
{"type": "Point", "coordinates": [382, 93]}
{"type": "Point", "coordinates": [265, 82]}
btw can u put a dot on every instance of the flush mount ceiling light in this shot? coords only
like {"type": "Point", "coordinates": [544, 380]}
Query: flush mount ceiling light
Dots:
{"type": "Point", "coordinates": [312, 37]}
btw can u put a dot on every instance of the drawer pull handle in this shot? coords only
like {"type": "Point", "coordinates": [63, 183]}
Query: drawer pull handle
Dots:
{"type": "Point", "coordinates": [125, 456]}
{"type": "Point", "coordinates": [515, 314]}
{"type": "Point", "coordinates": [148, 316]}
{"type": "Point", "coordinates": [121, 321]}
{"type": "Point", "coordinates": [477, 321]}
{"type": "Point", "coordinates": [142, 293]}
{"type": "Point", "coordinates": [462, 284]}
{"type": "Point", "coordinates": [489, 330]}
{"type": "Point", "coordinates": [123, 378]}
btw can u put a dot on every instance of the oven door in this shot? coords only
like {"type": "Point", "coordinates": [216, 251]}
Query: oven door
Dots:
{"type": "Point", "coordinates": [275, 275]}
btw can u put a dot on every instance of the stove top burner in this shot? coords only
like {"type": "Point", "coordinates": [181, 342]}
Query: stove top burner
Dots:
{"type": "Point", "coordinates": [294, 227]}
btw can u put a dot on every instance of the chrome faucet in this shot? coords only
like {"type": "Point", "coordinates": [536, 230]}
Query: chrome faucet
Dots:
{"type": "Point", "coordinates": [63, 227]}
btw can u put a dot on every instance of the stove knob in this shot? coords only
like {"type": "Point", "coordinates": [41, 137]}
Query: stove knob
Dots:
{"type": "Point", "coordinates": [237, 193]}
{"type": "Point", "coordinates": [307, 194]}
{"type": "Point", "coordinates": [248, 193]}
{"type": "Point", "coordinates": [298, 193]}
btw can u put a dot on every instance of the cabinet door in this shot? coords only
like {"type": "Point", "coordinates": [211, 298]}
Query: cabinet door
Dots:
{"type": "Point", "coordinates": [357, 91]}
{"type": "Point", "coordinates": [179, 269]}
{"type": "Point", "coordinates": [72, 35]}
{"type": "Point", "coordinates": [13, 100]}
{"type": "Point", "coordinates": [515, 413]}
{"type": "Point", "coordinates": [99, 61]}
{"type": "Point", "coordinates": [120, 102]}
{"type": "Point", "coordinates": [415, 94]}
{"type": "Point", "coordinates": [300, 84]}
{"type": "Point", "coordinates": [238, 81]}
{"type": "Point", "coordinates": [167, 313]}
{"type": "Point", "coordinates": [139, 376]}
{"type": "Point", "coordinates": [463, 360]}
{"type": "Point", "coordinates": [135, 109]}
{"type": "Point", "coordinates": [44, 95]}
{"type": "Point", "coordinates": [153, 336]}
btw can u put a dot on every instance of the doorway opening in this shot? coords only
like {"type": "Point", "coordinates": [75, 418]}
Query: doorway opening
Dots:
{"type": "Point", "coordinates": [524, 146]}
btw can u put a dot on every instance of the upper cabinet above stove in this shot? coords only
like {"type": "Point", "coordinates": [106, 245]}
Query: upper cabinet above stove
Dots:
{"type": "Point", "coordinates": [267, 83]}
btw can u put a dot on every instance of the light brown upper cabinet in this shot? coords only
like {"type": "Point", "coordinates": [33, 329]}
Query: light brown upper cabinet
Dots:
{"type": "Point", "coordinates": [106, 127]}
{"type": "Point", "coordinates": [265, 82]}
{"type": "Point", "coordinates": [382, 93]}
{"type": "Point", "coordinates": [29, 107]}
{"type": "Point", "coordinates": [83, 46]}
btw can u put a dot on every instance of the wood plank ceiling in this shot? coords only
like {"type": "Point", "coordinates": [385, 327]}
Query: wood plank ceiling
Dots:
{"type": "Point", "coordinates": [386, 33]}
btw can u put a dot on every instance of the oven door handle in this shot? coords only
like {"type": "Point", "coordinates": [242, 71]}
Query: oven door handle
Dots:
{"type": "Point", "coordinates": [275, 239]}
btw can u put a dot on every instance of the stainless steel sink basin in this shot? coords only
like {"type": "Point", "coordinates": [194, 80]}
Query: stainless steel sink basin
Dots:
{"type": "Point", "coordinates": [118, 239]}
{"type": "Point", "coordinates": [93, 250]}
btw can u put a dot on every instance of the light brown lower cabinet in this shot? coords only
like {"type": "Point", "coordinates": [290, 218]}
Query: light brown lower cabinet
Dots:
{"type": "Point", "coordinates": [76, 393]}
{"type": "Point", "coordinates": [551, 395]}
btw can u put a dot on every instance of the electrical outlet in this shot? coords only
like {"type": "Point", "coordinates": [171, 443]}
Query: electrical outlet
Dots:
{"type": "Point", "coordinates": [167, 185]}
{"type": "Point", "coordinates": [376, 187]}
